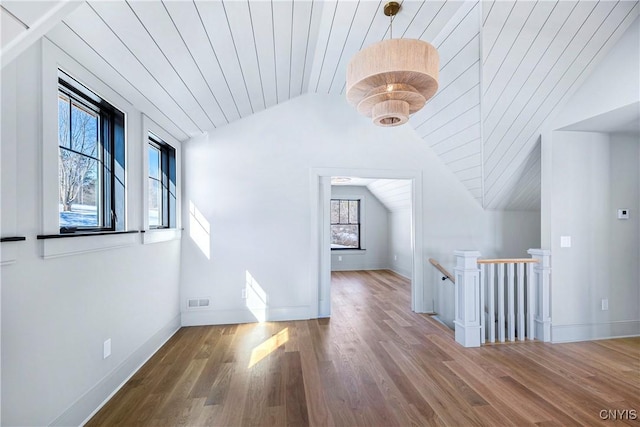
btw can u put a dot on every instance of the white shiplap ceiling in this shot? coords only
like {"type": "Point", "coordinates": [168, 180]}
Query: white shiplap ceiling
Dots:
{"type": "Point", "coordinates": [505, 66]}
{"type": "Point", "coordinates": [394, 194]}
{"type": "Point", "coordinates": [534, 55]}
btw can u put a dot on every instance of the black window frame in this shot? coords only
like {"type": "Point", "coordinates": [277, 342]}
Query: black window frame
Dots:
{"type": "Point", "coordinates": [111, 133]}
{"type": "Point", "coordinates": [167, 181]}
{"type": "Point", "coordinates": [359, 223]}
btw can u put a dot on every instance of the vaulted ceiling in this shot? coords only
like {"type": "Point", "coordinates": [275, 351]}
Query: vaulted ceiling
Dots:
{"type": "Point", "coordinates": [505, 66]}
{"type": "Point", "coordinates": [394, 194]}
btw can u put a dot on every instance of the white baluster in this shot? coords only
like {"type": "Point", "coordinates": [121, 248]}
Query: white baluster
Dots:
{"type": "Point", "coordinates": [511, 294]}
{"type": "Point", "coordinates": [521, 301]}
{"type": "Point", "coordinates": [501, 323]}
{"type": "Point", "coordinates": [491, 290]}
{"type": "Point", "coordinates": [531, 300]}
{"type": "Point", "coordinates": [483, 305]}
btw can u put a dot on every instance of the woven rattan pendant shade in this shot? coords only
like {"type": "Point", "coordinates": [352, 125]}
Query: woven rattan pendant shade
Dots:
{"type": "Point", "coordinates": [392, 79]}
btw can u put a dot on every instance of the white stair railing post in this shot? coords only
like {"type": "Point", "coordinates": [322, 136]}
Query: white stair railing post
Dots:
{"type": "Point", "coordinates": [467, 299]}
{"type": "Point", "coordinates": [542, 273]}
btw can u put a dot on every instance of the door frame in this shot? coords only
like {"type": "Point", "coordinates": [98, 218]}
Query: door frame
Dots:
{"type": "Point", "coordinates": [320, 262]}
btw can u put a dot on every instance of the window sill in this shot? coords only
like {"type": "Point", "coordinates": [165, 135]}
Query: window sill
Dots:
{"type": "Point", "coordinates": [12, 239]}
{"type": "Point", "coordinates": [9, 253]}
{"type": "Point", "coordinates": [83, 234]}
{"type": "Point", "coordinates": [348, 251]}
{"type": "Point", "coordinates": [59, 245]}
{"type": "Point", "coordinates": [157, 235]}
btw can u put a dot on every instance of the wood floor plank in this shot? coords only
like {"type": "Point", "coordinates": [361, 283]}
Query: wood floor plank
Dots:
{"type": "Point", "coordinates": [373, 363]}
{"type": "Point", "coordinates": [215, 361]}
{"type": "Point", "coordinates": [296, 400]}
{"type": "Point", "coordinates": [319, 414]}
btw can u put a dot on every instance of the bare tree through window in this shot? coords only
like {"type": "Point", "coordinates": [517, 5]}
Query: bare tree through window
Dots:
{"type": "Point", "coordinates": [79, 162]}
{"type": "Point", "coordinates": [345, 224]}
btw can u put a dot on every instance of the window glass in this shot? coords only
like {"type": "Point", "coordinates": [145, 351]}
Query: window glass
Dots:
{"type": "Point", "coordinates": [345, 224]}
{"type": "Point", "coordinates": [161, 184]}
{"type": "Point", "coordinates": [91, 196]}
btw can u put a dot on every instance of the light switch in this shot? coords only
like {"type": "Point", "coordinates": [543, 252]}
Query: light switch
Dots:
{"type": "Point", "coordinates": [565, 241]}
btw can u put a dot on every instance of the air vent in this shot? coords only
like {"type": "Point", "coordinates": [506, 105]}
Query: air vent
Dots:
{"type": "Point", "coordinates": [196, 303]}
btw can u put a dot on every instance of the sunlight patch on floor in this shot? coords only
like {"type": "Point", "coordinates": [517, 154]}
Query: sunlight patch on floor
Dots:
{"type": "Point", "coordinates": [268, 347]}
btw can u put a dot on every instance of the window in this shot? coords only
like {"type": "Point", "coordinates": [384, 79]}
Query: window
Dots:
{"type": "Point", "coordinates": [345, 224]}
{"type": "Point", "coordinates": [162, 184]}
{"type": "Point", "coordinates": [91, 160]}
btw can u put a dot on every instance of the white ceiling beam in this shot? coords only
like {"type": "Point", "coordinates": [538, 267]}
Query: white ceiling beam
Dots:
{"type": "Point", "coordinates": [39, 28]}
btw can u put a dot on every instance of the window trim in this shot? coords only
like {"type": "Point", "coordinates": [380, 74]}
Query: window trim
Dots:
{"type": "Point", "coordinates": [10, 251]}
{"type": "Point", "coordinates": [78, 93]}
{"type": "Point", "coordinates": [52, 60]}
{"type": "Point", "coordinates": [359, 224]}
{"type": "Point", "coordinates": [167, 155]}
{"type": "Point", "coordinates": [153, 234]}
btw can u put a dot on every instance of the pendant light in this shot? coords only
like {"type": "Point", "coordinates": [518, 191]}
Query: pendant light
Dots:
{"type": "Point", "coordinates": [394, 78]}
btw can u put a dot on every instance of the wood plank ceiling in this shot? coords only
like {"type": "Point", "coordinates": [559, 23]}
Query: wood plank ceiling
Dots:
{"type": "Point", "coordinates": [505, 67]}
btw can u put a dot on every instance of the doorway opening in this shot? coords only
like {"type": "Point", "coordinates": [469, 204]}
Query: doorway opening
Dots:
{"type": "Point", "coordinates": [357, 245]}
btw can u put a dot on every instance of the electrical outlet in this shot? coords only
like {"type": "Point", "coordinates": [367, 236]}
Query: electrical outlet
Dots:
{"type": "Point", "coordinates": [395, 257]}
{"type": "Point", "coordinates": [106, 349]}
{"type": "Point", "coordinates": [244, 293]}
{"type": "Point", "coordinates": [605, 304]}
{"type": "Point", "coordinates": [339, 257]}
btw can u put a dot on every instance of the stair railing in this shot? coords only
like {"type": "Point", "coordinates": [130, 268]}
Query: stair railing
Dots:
{"type": "Point", "coordinates": [502, 299]}
{"type": "Point", "coordinates": [446, 274]}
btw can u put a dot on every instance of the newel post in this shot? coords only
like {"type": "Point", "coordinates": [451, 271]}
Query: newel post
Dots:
{"type": "Point", "coordinates": [542, 271]}
{"type": "Point", "coordinates": [467, 298]}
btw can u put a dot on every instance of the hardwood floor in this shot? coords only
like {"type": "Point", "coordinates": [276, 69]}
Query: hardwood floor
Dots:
{"type": "Point", "coordinates": [374, 363]}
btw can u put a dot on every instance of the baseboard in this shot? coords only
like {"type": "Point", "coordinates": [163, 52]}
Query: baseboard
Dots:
{"type": "Point", "coordinates": [90, 403]}
{"type": "Point", "coordinates": [595, 331]}
{"type": "Point", "coordinates": [230, 317]}
{"type": "Point", "coordinates": [358, 268]}
{"type": "Point", "coordinates": [403, 273]}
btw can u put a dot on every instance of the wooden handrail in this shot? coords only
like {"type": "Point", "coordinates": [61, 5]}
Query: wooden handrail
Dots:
{"type": "Point", "coordinates": [506, 260]}
{"type": "Point", "coordinates": [442, 270]}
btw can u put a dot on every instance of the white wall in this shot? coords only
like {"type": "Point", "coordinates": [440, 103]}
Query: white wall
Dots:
{"type": "Point", "coordinates": [593, 176]}
{"type": "Point", "coordinates": [579, 202]}
{"type": "Point", "coordinates": [624, 236]}
{"type": "Point", "coordinates": [613, 86]}
{"type": "Point", "coordinates": [400, 250]}
{"type": "Point", "coordinates": [56, 313]}
{"type": "Point", "coordinates": [374, 237]}
{"type": "Point", "coordinates": [250, 182]}
{"type": "Point", "coordinates": [515, 232]}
